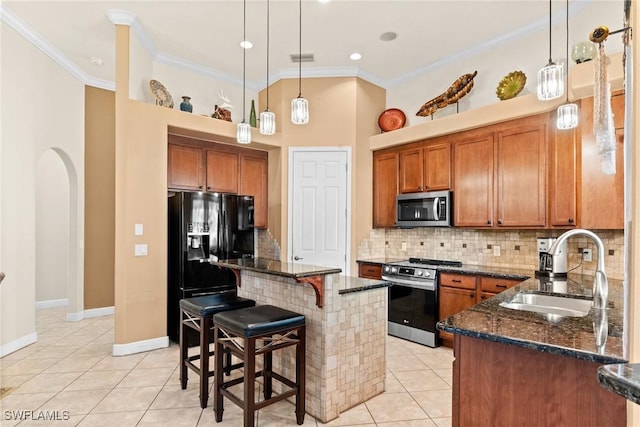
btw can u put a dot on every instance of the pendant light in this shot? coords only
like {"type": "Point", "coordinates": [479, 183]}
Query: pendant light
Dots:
{"type": "Point", "coordinates": [551, 76]}
{"type": "Point", "coordinates": [299, 105]}
{"type": "Point", "coordinates": [568, 112]}
{"type": "Point", "coordinates": [267, 118]}
{"type": "Point", "coordinates": [244, 130]}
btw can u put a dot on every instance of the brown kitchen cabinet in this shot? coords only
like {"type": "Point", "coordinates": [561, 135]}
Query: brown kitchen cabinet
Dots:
{"type": "Point", "coordinates": [370, 270]}
{"type": "Point", "coordinates": [564, 175]}
{"type": "Point", "coordinates": [500, 175]}
{"type": "Point", "coordinates": [222, 171]}
{"type": "Point", "coordinates": [426, 168]}
{"type": "Point", "coordinates": [254, 172]}
{"type": "Point", "coordinates": [602, 196]}
{"type": "Point", "coordinates": [198, 165]}
{"type": "Point", "coordinates": [457, 292]}
{"type": "Point", "coordinates": [385, 188]}
{"type": "Point", "coordinates": [185, 168]}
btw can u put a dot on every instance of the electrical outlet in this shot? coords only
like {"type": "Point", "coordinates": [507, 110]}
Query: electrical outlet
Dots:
{"type": "Point", "coordinates": [587, 255]}
{"type": "Point", "coordinates": [141, 249]}
{"type": "Point", "coordinates": [496, 250]}
{"type": "Point", "coordinates": [404, 246]}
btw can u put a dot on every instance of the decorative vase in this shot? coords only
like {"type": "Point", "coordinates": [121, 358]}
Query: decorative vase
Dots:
{"type": "Point", "coordinates": [252, 114]}
{"type": "Point", "coordinates": [185, 105]}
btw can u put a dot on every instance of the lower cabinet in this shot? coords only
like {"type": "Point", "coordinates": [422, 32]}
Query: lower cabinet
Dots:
{"type": "Point", "coordinates": [458, 292]}
{"type": "Point", "coordinates": [370, 270]}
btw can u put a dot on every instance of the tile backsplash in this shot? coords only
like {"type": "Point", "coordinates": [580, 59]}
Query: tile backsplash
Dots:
{"type": "Point", "coordinates": [517, 248]}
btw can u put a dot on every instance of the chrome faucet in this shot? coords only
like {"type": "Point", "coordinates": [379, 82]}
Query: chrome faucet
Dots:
{"type": "Point", "coordinates": [600, 285]}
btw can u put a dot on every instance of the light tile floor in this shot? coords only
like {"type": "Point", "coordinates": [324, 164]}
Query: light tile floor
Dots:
{"type": "Point", "coordinates": [70, 374]}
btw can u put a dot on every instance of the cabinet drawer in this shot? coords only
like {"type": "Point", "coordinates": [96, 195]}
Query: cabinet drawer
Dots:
{"type": "Point", "coordinates": [496, 284]}
{"type": "Point", "coordinates": [370, 271]}
{"type": "Point", "coordinates": [458, 281]}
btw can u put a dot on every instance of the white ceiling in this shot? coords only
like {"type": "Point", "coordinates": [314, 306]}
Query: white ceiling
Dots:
{"type": "Point", "coordinates": [205, 35]}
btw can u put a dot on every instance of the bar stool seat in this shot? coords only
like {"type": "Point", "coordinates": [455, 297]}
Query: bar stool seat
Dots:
{"type": "Point", "coordinates": [197, 313]}
{"type": "Point", "coordinates": [239, 331]}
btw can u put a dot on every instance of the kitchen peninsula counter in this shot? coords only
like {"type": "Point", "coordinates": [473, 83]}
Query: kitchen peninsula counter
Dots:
{"type": "Point", "coordinates": [346, 320]}
{"type": "Point", "coordinates": [526, 368]}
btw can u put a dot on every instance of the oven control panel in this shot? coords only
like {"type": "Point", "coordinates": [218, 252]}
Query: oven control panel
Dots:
{"type": "Point", "coordinates": [417, 272]}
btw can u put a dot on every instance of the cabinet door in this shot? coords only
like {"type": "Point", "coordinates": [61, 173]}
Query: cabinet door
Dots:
{"type": "Point", "coordinates": [521, 182]}
{"type": "Point", "coordinates": [385, 188]}
{"type": "Point", "coordinates": [370, 271]}
{"type": "Point", "coordinates": [452, 301]}
{"type": "Point", "coordinates": [496, 285]}
{"type": "Point", "coordinates": [473, 166]}
{"type": "Point", "coordinates": [411, 171]}
{"type": "Point", "coordinates": [185, 167]}
{"type": "Point", "coordinates": [254, 173]}
{"type": "Point", "coordinates": [602, 204]}
{"type": "Point", "coordinates": [437, 167]}
{"type": "Point", "coordinates": [462, 281]}
{"type": "Point", "coordinates": [564, 170]}
{"type": "Point", "coordinates": [222, 171]}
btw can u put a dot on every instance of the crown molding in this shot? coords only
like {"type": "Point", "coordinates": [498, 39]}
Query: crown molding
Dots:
{"type": "Point", "coordinates": [48, 49]}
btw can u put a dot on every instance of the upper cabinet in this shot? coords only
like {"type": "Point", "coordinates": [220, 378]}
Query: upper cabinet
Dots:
{"type": "Point", "coordinates": [602, 204]}
{"type": "Point", "coordinates": [426, 167]}
{"type": "Point", "coordinates": [196, 165]}
{"type": "Point", "coordinates": [499, 175]}
{"type": "Point", "coordinates": [385, 188]}
{"type": "Point", "coordinates": [185, 168]}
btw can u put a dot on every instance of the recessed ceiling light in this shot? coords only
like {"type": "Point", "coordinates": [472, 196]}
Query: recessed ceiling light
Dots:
{"type": "Point", "coordinates": [95, 60]}
{"type": "Point", "coordinates": [388, 36]}
{"type": "Point", "coordinates": [355, 56]}
{"type": "Point", "coordinates": [246, 44]}
{"type": "Point", "coordinates": [324, 1]}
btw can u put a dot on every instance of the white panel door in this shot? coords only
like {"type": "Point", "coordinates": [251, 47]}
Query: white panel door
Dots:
{"type": "Point", "coordinates": [319, 208]}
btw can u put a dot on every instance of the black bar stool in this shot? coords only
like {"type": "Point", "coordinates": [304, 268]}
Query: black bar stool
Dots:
{"type": "Point", "coordinates": [197, 313]}
{"type": "Point", "coordinates": [238, 331]}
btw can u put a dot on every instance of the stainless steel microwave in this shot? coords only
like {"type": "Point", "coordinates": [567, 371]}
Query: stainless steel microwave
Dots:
{"type": "Point", "coordinates": [429, 209]}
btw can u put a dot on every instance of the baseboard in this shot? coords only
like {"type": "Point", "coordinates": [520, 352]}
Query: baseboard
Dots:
{"type": "Point", "coordinates": [53, 303]}
{"type": "Point", "coordinates": [98, 312]}
{"type": "Point", "coordinates": [16, 345]}
{"type": "Point", "coordinates": [140, 346]}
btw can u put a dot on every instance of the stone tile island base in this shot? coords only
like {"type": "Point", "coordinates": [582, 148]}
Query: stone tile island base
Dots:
{"type": "Point", "coordinates": [345, 339]}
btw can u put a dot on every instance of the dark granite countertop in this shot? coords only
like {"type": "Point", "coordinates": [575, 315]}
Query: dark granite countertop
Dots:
{"type": "Point", "coordinates": [350, 284]}
{"type": "Point", "coordinates": [277, 268]}
{"type": "Point", "coordinates": [485, 270]}
{"type": "Point", "coordinates": [622, 379]}
{"type": "Point", "coordinates": [569, 336]}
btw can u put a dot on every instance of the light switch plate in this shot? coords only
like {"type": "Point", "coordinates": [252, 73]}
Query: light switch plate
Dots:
{"type": "Point", "coordinates": [404, 246]}
{"type": "Point", "coordinates": [141, 249]}
{"type": "Point", "coordinates": [496, 250]}
{"type": "Point", "coordinates": [587, 255]}
{"type": "Point", "coordinates": [139, 229]}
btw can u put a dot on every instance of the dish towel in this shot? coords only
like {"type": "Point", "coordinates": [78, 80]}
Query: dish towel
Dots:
{"type": "Point", "coordinates": [603, 128]}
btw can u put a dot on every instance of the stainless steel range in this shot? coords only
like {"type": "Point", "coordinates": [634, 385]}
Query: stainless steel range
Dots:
{"type": "Point", "coordinates": [413, 298]}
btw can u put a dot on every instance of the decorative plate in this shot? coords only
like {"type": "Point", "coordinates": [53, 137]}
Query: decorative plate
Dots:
{"type": "Point", "coordinates": [511, 85]}
{"type": "Point", "coordinates": [391, 119]}
{"type": "Point", "coordinates": [163, 97]}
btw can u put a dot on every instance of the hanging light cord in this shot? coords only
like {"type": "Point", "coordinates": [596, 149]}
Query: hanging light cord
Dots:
{"type": "Point", "coordinates": [267, 109]}
{"type": "Point", "coordinates": [550, 60]}
{"type": "Point", "coordinates": [244, 56]}
{"type": "Point", "coordinates": [567, 51]}
{"type": "Point", "coordinates": [300, 52]}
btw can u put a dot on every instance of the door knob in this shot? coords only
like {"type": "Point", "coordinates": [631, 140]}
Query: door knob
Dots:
{"type": "Point", "coordinates": [297, 258]}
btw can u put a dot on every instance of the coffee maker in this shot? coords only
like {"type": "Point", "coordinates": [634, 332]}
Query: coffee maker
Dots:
{"type": "Point", "coordinates": [550, 265]}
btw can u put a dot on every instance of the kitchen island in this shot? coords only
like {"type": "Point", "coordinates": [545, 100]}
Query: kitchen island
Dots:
{"type": "Point", "coordinates": [515, 367]}
{"type": "Point", "coordinates": [346, 321]}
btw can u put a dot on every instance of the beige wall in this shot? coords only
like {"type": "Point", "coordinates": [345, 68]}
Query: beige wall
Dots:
{"type": "Point", "coordinates": [100, 198]}
{"type": "Point", "coordinates": [42, 111]}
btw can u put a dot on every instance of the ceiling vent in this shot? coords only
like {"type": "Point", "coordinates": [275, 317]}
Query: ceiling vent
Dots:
{"type": "Point", "coordinates": [305, 57]}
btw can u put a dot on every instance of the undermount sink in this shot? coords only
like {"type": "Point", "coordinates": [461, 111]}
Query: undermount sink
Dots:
{"type": "Point", "coordinates": [549, 304]}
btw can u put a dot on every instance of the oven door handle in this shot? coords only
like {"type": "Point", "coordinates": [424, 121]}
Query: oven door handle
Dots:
{"type": "Point", "coordinates": [410, 283]}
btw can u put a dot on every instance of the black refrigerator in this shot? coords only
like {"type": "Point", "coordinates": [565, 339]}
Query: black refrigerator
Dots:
{"type": "Point", "coordinates": [204, 226]}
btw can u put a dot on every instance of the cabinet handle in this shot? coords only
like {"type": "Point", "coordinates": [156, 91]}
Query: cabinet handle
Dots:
{"type": "Point", "coordinates": [489, 222]}
{"type": "Point", "coordinates": [483, 297]}
{"type": "Point", "coordinates": [419, 187]}
{"type": "Point", "coordinates": [200, 187]}
{"type": "Point", "coordinates": [570, 220]}
{"type": "Point", "coordinates": [472, 295]}
{"type": "Point", "coordinates": [499, 222]}
{"type": "Point", "coordinates": [456, 280]}
{"type": "Point", "coordinates": [501, 286]}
